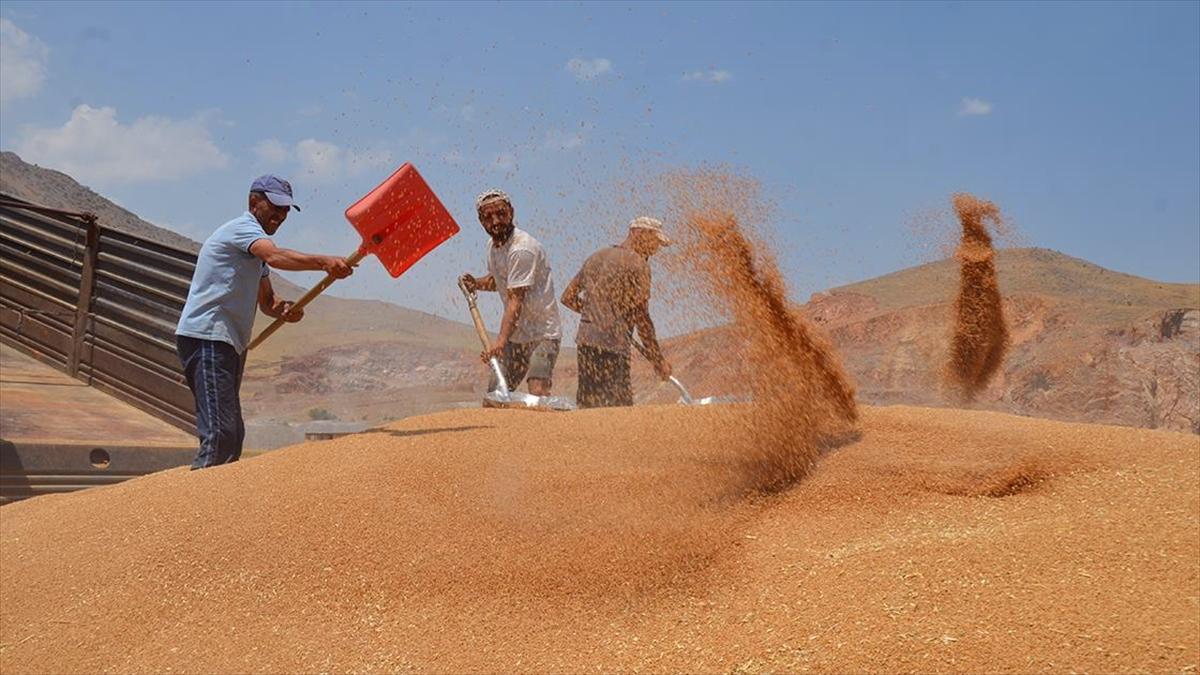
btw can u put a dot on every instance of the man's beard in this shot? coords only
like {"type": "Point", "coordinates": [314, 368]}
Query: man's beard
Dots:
{"type": "Point", "coordinates": [503, 235]}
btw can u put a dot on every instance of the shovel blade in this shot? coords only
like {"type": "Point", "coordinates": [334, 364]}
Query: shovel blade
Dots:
{"type": "Point", "coordinates": [523, 401]}
{"type": "Point", "coordinates": [713, 400]}
{"type": "Point", "coordinates": [401, 220]}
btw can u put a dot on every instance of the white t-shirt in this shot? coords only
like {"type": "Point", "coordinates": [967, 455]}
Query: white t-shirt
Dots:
{"type": "Point", "coordinates": [521, 263]}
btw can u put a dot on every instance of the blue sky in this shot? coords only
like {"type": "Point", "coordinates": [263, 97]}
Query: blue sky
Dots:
{"type": "Point", "coordinates": [1079, 120]}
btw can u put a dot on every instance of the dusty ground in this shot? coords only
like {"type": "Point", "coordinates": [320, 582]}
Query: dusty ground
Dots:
{"type": "Point", "coordinates": [485, 540]}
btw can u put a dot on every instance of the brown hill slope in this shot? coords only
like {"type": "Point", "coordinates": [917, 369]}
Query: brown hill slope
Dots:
{"type": "Point", "coordinates": [362, 359]}
{"type": "Point", "coordinates": [1112, 297]}
{"type": "Point", "coordinates": [1089, 344]}
{"type": "Point", "coordinates": [58, 190]}
{"type": "Point", "coordinates": [941, 541]}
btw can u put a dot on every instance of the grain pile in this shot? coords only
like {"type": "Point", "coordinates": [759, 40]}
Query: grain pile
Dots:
{"type": "Point", "coordinates": [491, 540]}
{"type": "Point", "coordinates": [980, 337]}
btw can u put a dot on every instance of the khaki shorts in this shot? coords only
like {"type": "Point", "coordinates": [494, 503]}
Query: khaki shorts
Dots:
{"type": "Point", "coordinates": [534, 360]}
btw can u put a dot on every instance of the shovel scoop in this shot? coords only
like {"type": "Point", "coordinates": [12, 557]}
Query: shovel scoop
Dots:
{"type": "Point", "coordinates": [685, 397]}
{"type": "Point", "coordinates": [400, 221]}
{"type": "Point", "coordinates": [503, 396]}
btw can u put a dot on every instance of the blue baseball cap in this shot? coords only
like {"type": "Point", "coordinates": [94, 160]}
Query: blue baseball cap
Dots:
{"type": "Point", "coordinates": [277, 190]}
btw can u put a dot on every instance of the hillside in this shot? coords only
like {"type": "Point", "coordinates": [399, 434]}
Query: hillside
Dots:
{"type": "Point", "coordinates": [1089, 344]}
{"type": "Point", "coordinates": [625, 540]}
{"type": "Point", "coordinates": [55, 189]}
{"type": "Point", "coordinates": [1112, 297]}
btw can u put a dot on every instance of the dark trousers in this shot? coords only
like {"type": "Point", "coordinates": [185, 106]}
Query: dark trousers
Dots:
{"type": "Point", "coordinates": [603, 378]}
{"type": "Point", "coordinates": [214, 374]}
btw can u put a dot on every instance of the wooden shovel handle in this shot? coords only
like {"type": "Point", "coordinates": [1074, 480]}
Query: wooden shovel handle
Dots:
{"type": "Point", "coordinates": [475, 317]}
{"type": "Point", "coordinates": [483, 336]}
{"type": "Point", "coordinates": [308, 297]}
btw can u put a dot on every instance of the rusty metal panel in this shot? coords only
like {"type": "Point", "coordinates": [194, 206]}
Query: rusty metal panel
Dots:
{"type": "Point", "coordinates": [152, 348]}
{"type": "Point", "coordinates": [23, 269]}
{"type": "Point", "coordinates": [37, 325]}
{"type": "Point", "coordinates": [156, 384]}
{"type": "Point", "coordinates": [184, 419]}
{"type": "Point", "coordinates": [164, 290]}
{"type": "Point", "coordinates": [32, 469]}
{"type": "Point", "coordinates": [168, 261]}
{"type": "Point", "coordinates": [58, 258]}
{"type": "Point", "coordinates": [87, 282]}
{"type": "Point", "coordinates": [53, 230]}
{"type": "Point", "coordinates": [132, 311]}
{"type": "Point", "coordinates": [146, 247]}
{"type": "Point", "coordinates": [97, 303]}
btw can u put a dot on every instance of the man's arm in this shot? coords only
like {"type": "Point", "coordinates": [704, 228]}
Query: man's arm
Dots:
{"type": "Point", "coordinates": [512, 314]}
{"type": "Point", "coordinates": [570, 297]}
{"type": "Point", "coordinates": [645, 331]}
{"type": "Point", "coordinates": [474, 283]}
{"type": "Point", "coordinates": [286, 259]}
{"type": "Point", "coordinates": [274, 306]}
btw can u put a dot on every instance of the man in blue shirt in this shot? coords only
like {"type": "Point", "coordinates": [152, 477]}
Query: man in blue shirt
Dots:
{"type": "Point", "coordinates": [232, 276]}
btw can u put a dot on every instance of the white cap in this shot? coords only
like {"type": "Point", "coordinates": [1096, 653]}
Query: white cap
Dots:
{"type": "Point", "coordinates": [652, 224]}
{"type": "Point", "coordinates": [489, 196]}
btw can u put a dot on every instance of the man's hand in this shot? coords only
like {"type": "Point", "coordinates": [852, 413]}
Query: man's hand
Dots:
{"type": "Point", "coordinates": [469, 282]}
{"type": "Point", "coordinates": [496, 350]}
{"type": "Point", "coordinates": [337, 267]}
{"type": "Point", "coordinates": [283, 310]}
{"type": "Point", "coordinates": [663, 369]}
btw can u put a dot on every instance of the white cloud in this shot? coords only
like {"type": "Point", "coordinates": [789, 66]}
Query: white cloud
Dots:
{"type": "Point", "coordinates": [588, 69]}
{"type": "Point", "coordinates": [974, 106]}
{"type": "Point", "coordinates": [467, 112]}
{"type": "Point", "coordinates": [95, 148]}
{"type": "Point", "coordinates": [272, 151]}
{"type": "Point", "coordinates": [320, 160]}
{"type": "Point", "coordinates": [22, 62]}
{"type": "Point", "coordinates": [557, 139]}
{"type": "Point", "coordinates": [712, 75]}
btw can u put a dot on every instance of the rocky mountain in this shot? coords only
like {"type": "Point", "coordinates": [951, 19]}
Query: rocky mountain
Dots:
{"type": "Point", "coordinates": [1088, 344]}
{"type": "Point", "coordinates": [59, 191]}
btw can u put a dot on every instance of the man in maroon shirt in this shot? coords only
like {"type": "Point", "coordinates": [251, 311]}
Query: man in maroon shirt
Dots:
{"type": "Point", "coordinates": [611, 293]}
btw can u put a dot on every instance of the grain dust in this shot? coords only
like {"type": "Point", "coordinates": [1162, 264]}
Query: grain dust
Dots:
{"type": "Point", "coordinates": [980, 337]}
{"type": "Point", "coordinates": [799, 389]}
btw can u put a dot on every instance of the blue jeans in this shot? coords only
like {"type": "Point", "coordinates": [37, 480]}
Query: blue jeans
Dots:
{"type": "Point", "coordinates": [214, 374]}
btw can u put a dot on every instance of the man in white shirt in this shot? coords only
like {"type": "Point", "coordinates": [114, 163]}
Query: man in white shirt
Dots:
{"type": "Point", "coordinates": [530, 332]}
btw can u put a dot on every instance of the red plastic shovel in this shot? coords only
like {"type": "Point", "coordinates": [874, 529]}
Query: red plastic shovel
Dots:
{"type": "Point", "coordinates": [400, 221]}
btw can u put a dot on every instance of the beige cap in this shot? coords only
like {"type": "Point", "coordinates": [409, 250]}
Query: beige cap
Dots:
{"type": "Point", "coordinates": [488, 196]}
{"type": "Point", "coordinates": [652, 224]}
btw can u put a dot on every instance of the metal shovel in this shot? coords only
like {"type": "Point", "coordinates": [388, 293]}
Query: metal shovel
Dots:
{"type": "Point", "coordinates": [503, 397]}
{"type": "Point", "coordinates": [684, 396]}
